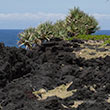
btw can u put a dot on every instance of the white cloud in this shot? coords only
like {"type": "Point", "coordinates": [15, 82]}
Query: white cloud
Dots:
{"type": "Point", "coordinates": [43, 16]}
{"type": "Point", "coordinates": [24, 20]}
{"type": "Point", "coordinates": [31, 16]}
{"type": "Point", "coordinates": [101, 16]}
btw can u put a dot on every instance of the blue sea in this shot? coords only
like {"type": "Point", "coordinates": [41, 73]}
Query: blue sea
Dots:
{"type": "Point", "coordinates": [10, 38]}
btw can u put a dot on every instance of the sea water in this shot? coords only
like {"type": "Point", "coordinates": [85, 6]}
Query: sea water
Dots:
{"type": "Point", "coordinates": [9, 37]}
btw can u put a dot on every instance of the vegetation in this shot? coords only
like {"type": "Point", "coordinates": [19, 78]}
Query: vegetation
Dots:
{"type": "Point", "coordinates": [45, 31]}
{"type": "Point", "coordinates": [76, 23]}
{"type": "Point", "coordinates": [91, 37]}
{"type": "Point", "coordinates": [27, 38]}
{"type": "Point", "coordinates": [104, 38]}
{"type": "Point", "coordinates": [35, 36]}
{"type": "Point", "coordinates": [60, 29]}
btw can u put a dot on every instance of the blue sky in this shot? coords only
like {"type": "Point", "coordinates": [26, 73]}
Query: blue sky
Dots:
{"type": "Point", "coordinates": [20, 14]}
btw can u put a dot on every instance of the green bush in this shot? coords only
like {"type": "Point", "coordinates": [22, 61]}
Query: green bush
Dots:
{"type": "Point", "coordinates": [35, 36]}
{"type": "Point", "coordinates": [45, 30]}
{"type": "Point", "coordinates": [78, 22]}
{"type": "Point", "coordinates": [60, 29]}
{"type": "Point", "coordinates": [27, 37]}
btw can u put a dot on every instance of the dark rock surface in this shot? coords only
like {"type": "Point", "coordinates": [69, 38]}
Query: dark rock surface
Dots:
{"type": "Point", "coordinates": [48, 66]}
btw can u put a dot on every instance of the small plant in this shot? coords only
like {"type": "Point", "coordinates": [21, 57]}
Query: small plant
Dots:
{"type": "Point", "coordinates": [78, 22]}
{"type": "Point", "coordinates": [60, 29]}
{"type": "Point", "coordinates": [106, 42]}
{"type": "Point", "coordinates": [45, 31]}
{"type": "Point", "coordinates": [35, 36]}
{"type": "Point", "coordinates": [27, 38]}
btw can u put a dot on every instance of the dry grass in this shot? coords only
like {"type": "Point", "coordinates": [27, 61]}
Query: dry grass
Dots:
{"type": "Point", "coordinates": [60, 91]}
{"type": "Point", "coordinates": [90, 50]}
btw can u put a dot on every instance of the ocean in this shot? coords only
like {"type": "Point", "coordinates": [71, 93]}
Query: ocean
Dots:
{"type": "Point", "coordinates": [10, 38]}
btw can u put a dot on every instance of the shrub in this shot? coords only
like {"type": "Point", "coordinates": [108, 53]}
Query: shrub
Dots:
{"type": "Point", "coordinates": [78, 22]}
{"type": "Point", "coordinates": [45, 31]}
{"type": "Point", "coordinates": [27, 37]}
{"type": "Point", "coordinates": [60, 29]}
{"type": "Point", "coordinates": [35, 36]}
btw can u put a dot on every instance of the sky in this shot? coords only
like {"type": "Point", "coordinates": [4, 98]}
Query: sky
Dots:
{"type": "Point", "coordinates": [22, 14]}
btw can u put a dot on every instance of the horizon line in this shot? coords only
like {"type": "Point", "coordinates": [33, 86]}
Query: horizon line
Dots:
{"type": "Point", "coordinates": [27, 28]}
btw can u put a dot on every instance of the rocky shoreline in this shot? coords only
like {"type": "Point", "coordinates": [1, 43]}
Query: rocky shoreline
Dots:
{"type": "Point", "coordinates": [50, 66]}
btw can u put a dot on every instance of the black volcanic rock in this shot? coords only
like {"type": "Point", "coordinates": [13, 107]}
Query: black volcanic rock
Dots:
{"type": "Point", "coordinates": [48, 66]}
